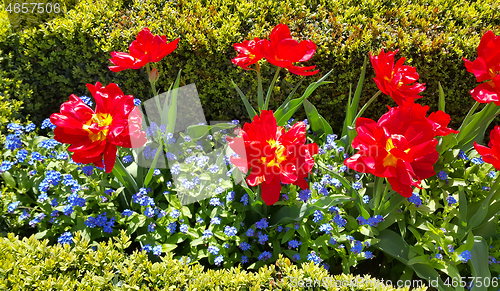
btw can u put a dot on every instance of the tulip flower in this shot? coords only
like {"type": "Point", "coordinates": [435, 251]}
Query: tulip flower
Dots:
{"type": "Point", "coordinates": [395, 80]}
{"type": "Point", "coordinates": [145, 49]}
{"type": "Point", "coordinates": [250, 52]}
{"type": "Point", "coordinates": [491, 155]}
{"type": "Point", "coordinates": [282, 51]}
{"type": "Point", "coordinates": [95, 135]}
{"type": "Point", "coordinates": [486, 67]}
{"type": "Point", "coordinates": [273, 155]}
{"type": "Point", "coordinates": [401, 146]}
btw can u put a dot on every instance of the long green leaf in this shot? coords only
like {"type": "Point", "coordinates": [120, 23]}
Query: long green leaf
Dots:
{"type": "Point", "coordinates": [260, 92]}
{"type": "Point", "coordinates": [441, 104]}
{"type": "Point", "coordinates": [318, 123]}
{"type": "Point", "coordinates": [479, 262]}
{"type": "Point", "coordinates": [480, 215]}
{"type": "Point", "coordinates": [271, 87]}
{"type": "Point", "coordinates": [352, 106]}
{"type": "Point", "coordinates": [348, 113]}
{"type": "Point", "coordinates": [287, 109]}
{"type": "Point", "coordinates": [251, 112]}
{"type": "Point", "coordinates": [172, 106]}
{"type": "Point", "coordinates": [151, 170]}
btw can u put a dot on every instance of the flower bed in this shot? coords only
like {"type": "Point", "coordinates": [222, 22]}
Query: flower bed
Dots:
{"type": "Point", "coordinates": [406, 190]}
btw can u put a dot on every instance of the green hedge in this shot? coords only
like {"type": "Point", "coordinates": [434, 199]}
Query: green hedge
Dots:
{"type": "Point", "coordinates": [59, 58]}
{"type": "Point", "coordinates": [30, 264]}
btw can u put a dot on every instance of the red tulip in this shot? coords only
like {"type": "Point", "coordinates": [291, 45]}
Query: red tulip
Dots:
{"type": "Point", "coordinates": [395, 80]}
{"type": "Point", "coordinates": [145, 49]}
{"type": "Point", "coordinates": [486, 68]}
{"type": "Point", "coordinates": [283, 51]}
{"type": "Point", "coordinates": [250, 52]}
{"type": "Point", "coordinates": [491, 155]}
{"type": "Point", "coordinates": [400, 146]}
{"type": "Point", "coordinates": [94, 135]}
{"type": "Point", "coordinates": [273, 155]}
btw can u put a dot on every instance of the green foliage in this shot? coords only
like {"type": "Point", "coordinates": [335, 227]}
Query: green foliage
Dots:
{"type": "Point", "coordinates": [60, 57]}
{"type": "Point", "coordinates": [30, 264]}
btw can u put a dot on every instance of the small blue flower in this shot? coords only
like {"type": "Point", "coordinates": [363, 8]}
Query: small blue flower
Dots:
{"type": "Point", "coordinates": [30, 127]}
{"type": "Point", "coordinates": [366, 199]}
{"type": "Point", "coordinates": [492, 174]}
{"type": "Point", "coordinates": [486, 188]}
{"type": "Point", "coordinates": [207, 233]}
{"type": "Point", "coordinates": [65, 238]}
{"type": "Point", "coordinates": [149, 212]}
{"type": "Point", "coordinates": [262, 224]}
{"type": "Point", "coordinates": [462, 156]}
{"type": "Point", "coordinates": [279, 228]}
{"type": "Point", "coordinates": [357, 248]}
{"type": "Point", "coordinates": [442, 175]}
{"type": "Point", "coordinates": [244, 246]}
{"type": "Point", "coordinates": [199, 220]}
{"type": "Point", "coordinates": [151, 227]}
{"type": "Point", "coordinates": [439, 256]}
{"type": "Point", "coordinates": [244, 259]}
{"type": "Point", "coordinates": [293, 244]}
{"type": "Point", "coordinates": [5, 166]}
{"type": "Point", "coordinates": [127, 159]}
{"type": "Point", "coordinates": [184, 228]}
{"type": "Point", "coordinates": [415, 199]}
{"type": "Point", "coordinates": [24, 215]}
{"type": "Point", "coordinates": [213, 250]}
{"type": "Point", "coordinates": [465, 256]}
{"type": "Point", "coordinates": [87, 100]}
{"type": "Point", "coordinates": [46, 123]}
{"type": "Point", "coordinates": [244, 199]}
{"type": "Point", "coordinates": [12, 206]}
{"type": "Point", "coordinates": [175, 214]}
{"type": "Point", "coordinates": [314, 258]}
{"type": "Point", "coordinates": [230, 196]}
{"type": "Point", "coordinates": [137, 101]}
{"type": "Point", "coordinates": [215, 220]}
{"type": "Point", "coordinates": [368, 255]}
{"type": "Point", "coordinates": [357, 186]}
{"type": "Point", "coordinates": [147, 248]}
{"type": "Point", "coordinates": [67, 210]}
{"type": "Point", "coordinates": [157, 250]}
{"type": "Point", "coordinates": [230, 231]}
{"type": "Point", "coordinates": [318, 216]}
{"type": "Point", "coordinates": [22, 155]}
{"type": "Point", "coordinates": [88, 170]}
{"type": "Point", "coordinates": [250, 232]}
{"type": "Point", "coordinates": [215, 201]}
{"type": "Point", "coordinates": [172, 227]}
{"type": "Point", "coordinates": [263, 238]}
{"type": "Point", "coordinates": [477, 161]}
{"type": "Point", "coordinates": [219, 260]}
{"type": "Point", "coordinates": [341, 222]}
{"type": "Point", "coordinates": [332, 241]}
{"type": "Point", "coordinates": [296, 257]}
{"type": "Point", "coordinates": [451, 200]}
{"type": "Point", "coordinates": [304, 195]}
{"type": "Point", "coordinates": [176, 169]}
{"type": "Point", "coordinates": [326, 227]}
{"type": "Point", "coordinates": [264, 256]}
{"type": "Point", "coordinates": [450, 248]}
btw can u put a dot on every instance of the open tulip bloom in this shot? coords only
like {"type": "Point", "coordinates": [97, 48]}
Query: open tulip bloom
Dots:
{"type": "Point", "coordinates": [401, 146]}
{"type": "Point", "coordinates": [147, 48]}
{"type": "Point", "coordinates": [95, 135]}
{"type": "Point", "coordinates": [273, 155]}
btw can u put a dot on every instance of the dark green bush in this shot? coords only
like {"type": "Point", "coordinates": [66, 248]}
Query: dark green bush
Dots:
{"type": "Point", "coordinates": [59, 58]}
{"type": "Point", "coordinates": [30, 264]}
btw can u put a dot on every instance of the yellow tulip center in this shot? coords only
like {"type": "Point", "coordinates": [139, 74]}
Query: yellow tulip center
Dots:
{"type": "Point", "coordinates": [390, 159]}
{"type": "Point", "coordinates": [94, 125]}
{"type": "Point", "coordinates": [279, 157]}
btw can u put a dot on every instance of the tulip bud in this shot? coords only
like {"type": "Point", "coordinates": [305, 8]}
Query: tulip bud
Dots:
{"type": "Point", "coordinates": [153, 75]}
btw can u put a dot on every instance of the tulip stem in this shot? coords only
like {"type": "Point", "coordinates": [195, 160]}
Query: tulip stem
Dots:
{"type": "Point", "coordinates": [270, 90]}
{"type": "Point", "coordinates": [260, 91]}
{"type": "Point", "coordinates": [382, 201]}
{"type": "Point", "coordinates": [379, 183]}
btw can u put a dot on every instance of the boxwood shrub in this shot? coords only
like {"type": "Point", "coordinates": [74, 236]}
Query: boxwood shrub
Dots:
{"type": "Point", "coordinates": [57, 59]}
{"type": "Point", "coordinates": [31, 264]}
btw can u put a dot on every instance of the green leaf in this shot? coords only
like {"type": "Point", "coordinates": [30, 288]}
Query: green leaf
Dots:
{"type": "Point", "coordinates": [251, 112]}
{"type": "Point", "coordinates": [352, 107]}
{"type": "Point", "coordinates": [149, 175]}
{"type": "Point", "coordinates": [479, 261]}
{"type": "Point", "coordinates": [9, 179]}
{"type": "Point", "coordinates": [271, 87]}
{"type": "Point", "coordinates": [288, 235]}
{"type": "Point", "coordinates": [462, 207]}
{"type": "Point", "coordinates": [170, 106]}
{"type": "Point", "coordinates": [441, 103]}
{"type": "Point", "coordinates": [288, 108]}
{"type": "Point", "coordinates": [480, 215]}
{"type": "Point", "coordinates": [318, 123]}
{"type": "Point", "coordinates": [260, 92]}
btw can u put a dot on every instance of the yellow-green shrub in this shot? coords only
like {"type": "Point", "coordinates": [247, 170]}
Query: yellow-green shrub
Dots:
{"type": "Point", "coordinates": [30, 264]}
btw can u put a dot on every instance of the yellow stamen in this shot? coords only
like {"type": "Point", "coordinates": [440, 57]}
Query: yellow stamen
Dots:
{"type": "Point", "coordinates": [102, 120]}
